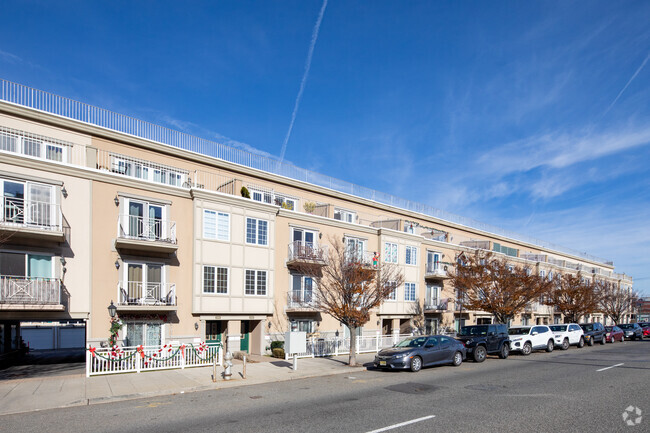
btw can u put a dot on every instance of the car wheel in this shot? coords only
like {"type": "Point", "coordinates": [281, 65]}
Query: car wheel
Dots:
{"type": "Point", "coordinates": [504, 352]}
{"type": "Point", "coordinates": [565, 344]}
{"type": "Point", "coordinates": [549, 346]}
{"type": "Point", "coordinates": [602, 342]}
{"type": "Point", "coordinates": [526, 349]}
{"type": "Point", "coordinates": [581, 343]}
{"type": "Point", "coordinates": [458, 359]}
{"type": "Point", "coordinates": [479, 354]}
{"type": "Point", "coordinates": [591, 341]}
{"type": "Point", "coordinates": [613, 340]}
{"type": "Point", "coordinates": [416, 364]}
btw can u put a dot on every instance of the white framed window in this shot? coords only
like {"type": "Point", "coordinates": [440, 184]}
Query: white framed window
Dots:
{"type": "Point", "coordinates": [144, 220]}
{"type": "Point", "coordinates": [393, 294]}
{"type": "Point", "coordinates": [286, 202]}
{"type": "Point", "coordinates": [433, 294]}
{"type": "Point", "coordinates": [302, 326]}
{"type": "Point", "coordinates": [261, 196]}
{"type": "Point", "coordinates": [144, 333]}
{"type": "Point", "coordinates": [409, 291]}
{"type": "Point", "coordinates": [28, 203]}
{"type": "Point", "coordinates": [390, 252]}
{"type": "Point", "coordinates": [433, 261]}
{"type": "Point", "coordinates": [215, 280]}
{"type": "Point", "coordinates": [145, 283]}
{"type": "Point", "coordinates": [411, 256]}
{"type": "Point", "coordinates": [542, 273]}
{"type": "Point", "coordinates": [23, 265]}
{"type": "Point", "coordinates": [216, 225]}
{"type": "Point", "coordinates": [255, 282]}
{"type": "Point", "coordinates": [345, 215]}
{"type": "Point", "coordinates": [257, 231]}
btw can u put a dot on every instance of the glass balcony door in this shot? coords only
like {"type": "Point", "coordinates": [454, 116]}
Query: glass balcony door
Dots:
{"type": "Point", "coordinates": [145, 220]}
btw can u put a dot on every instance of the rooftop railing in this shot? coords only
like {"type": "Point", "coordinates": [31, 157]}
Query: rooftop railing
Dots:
{"type": "Point", "coordinates": [54, 104]}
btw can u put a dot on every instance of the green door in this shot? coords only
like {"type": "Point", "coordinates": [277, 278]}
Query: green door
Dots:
{"type": "Point", "coordinates": [213, 331]}
{"type": "Point", "coordinates": [245, 335]}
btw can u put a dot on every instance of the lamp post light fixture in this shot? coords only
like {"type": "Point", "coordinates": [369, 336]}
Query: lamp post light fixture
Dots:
{"type": "Point", "coordinates": [112, 310]}
{"type": "Point", "coordinates": [117, 201]}
{"type": "Point", "coordinates": [117, 264]}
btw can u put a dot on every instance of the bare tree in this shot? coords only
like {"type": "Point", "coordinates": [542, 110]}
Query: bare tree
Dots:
{"type": "Point", "coordinates": [574, 297]}
{"type": "Point", "coordinates": [616, 301]}
{"type": "Point", "coordinates": [418, 320]}
{"type": "Point", "coordinates": [348, 287]}
{"type": "Point", "coordinates": [488, 283]}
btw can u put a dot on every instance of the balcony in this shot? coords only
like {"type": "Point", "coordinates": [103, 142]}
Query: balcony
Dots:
{"type": "Point", "coordinates": [303, 253]}
{"type": "Point", "coordinates": [146, 234]}
{"type": "Point", "coordinates": [301, 302]}
{"type": "Point", "coordinates": [25, 293]}
{"type": "Point", "coordinates": [138, 296]}
{"type": "Point", "coordinates": [436, 305]}
{"type": "Point", "coordinates": [436, 271]}
{"type": "Point", "coordinates": [32, 219]}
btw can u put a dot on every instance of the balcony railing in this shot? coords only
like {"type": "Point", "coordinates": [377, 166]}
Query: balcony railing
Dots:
{"type": "Point", "coordinates": [436, 270]}
{"type": "Point", "coordinates": [301, 300]}
{"type": "Point", "coordinates": [146, 229]}
{"type": "Point", "coordinates": [366, 259]}
{"type": "Point", "coordinates": [21, 213]}
{"type": "Point", "coordinates": [26, 290]}
{"type": "Point", "coordinates": [436, 304]}
{"type": "Point", "coordinates": [152, 294]}
{"type": "Point", "coordinates": [307, 251]}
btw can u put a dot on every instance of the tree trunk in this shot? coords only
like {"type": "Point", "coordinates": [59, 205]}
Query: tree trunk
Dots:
{"type": "Point", "coordinates": [352, 359]}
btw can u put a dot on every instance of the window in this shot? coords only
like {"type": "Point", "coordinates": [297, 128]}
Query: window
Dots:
{"type": "Point", "coordinates": [302, 326]}
{"type": "Point", "coordinates": [505, 250]}
{"type": "Point", "coordinates": [144, 283]}
{"type": "Point", "coordinates": [411, 256]}
{"type": "Point", "coordinates": [433, 261]}
{"type": "Point", "coordinates": [393, 294]}
{"type": "Point", "coordinates": [542, 273]}
{"type": "Point", "coordinates": [409, 291]}
{"type": "Point", "coordinates": [28, 203]}
{"type": "Point", "coordinates": [344, 215]}
{"type": "Point", "coordinates": [285, 202]}
{"type": "Point", "coordinates": [390, 252]}
{"type": "Point", "coordinates": [25, 265]}
{"type": "Point", "coordinates": [255, 283]}
{"type": "Point", "coordinates": [216, 225]}
{"type": "Point", "coordinates": [432, 295]}
{"type": "Point", "coordinates": [301, 289]}
{"type": "Point", "coordinates": [215, 280]}
{"type": "Point", "coordinates": [143, 333]}
{"type": "Point", "coordinates": [355, 249]}
{"type": "Point", "coordinates": [256, 231]}
{"type": "Point", "coordinates": [144, 220]}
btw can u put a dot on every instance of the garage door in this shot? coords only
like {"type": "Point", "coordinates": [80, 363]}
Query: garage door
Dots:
{"type": "Point", "coordinates": [72, 337]}
{"type": "Point", "coordinates": [38, 338]}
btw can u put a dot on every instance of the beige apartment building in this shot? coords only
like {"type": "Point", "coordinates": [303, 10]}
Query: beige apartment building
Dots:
{"type": "Point", "coordinates": [100, 208]}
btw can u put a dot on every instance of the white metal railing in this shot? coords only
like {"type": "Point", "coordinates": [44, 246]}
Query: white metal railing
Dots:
{"type": "Point", "coordinates": [436, 304]}
{"type": "Point", "coordinates": [302, 299]}
{"type": "Point", "coordinates": [136, 359]}
{"type": "Point", "coordinates": [365, 258]}
{"type": "Point", "coordinates": [37, 99]}
{"type": "Point", "coordinates": [139, 293]}
{"type": "Point", "coordinates": [26, 290]}
{"type": "Point", "coordinates": [18, 212]}
{"type": "Point", "coordinates": [40, 146]}
{"type": "Point", "coordinates": [436, 269]}
{"type": "Point", "coordinates": [308, 251]}
{"type": "Point", "coordinates": [334, 346]}
{"type": "Point", "coordinates": [141, 169]}
{"type": "Point", "coordinates": [149, 229]}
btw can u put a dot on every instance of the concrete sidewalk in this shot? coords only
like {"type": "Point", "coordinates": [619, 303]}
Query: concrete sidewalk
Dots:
{"type": "Point", "coordinates": [25, 395]}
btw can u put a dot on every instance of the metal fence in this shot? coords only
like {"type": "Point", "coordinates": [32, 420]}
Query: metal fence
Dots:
{"type": "Point", "coordinates": [334, 346]}
{"type": "Point", "coordinates": [30, 290]}
{"type": "Point", "coordinates": [37, 99]}
{"type": "Point", "coordinates": [137, 359]}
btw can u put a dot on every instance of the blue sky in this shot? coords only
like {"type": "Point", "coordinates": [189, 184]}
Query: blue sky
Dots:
{"type": "Point", "coordinates": [531, 116]}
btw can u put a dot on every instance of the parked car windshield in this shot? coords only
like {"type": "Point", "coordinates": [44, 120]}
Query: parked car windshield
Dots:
{"type": "Point", "coordinates": [587, 327]}
{"type": "Point", "coordinates": [626, 326]}
{"type": "Point", "coordinates": [558, 328]}
{"type": "Point", "coordinates": [518, 331]}
{"type": "Point", "coordinates": [609, 328]}
{"type": "Point", "coordinates": [467, 331]}
{"type": "Point", "coordinates": [412, 342]}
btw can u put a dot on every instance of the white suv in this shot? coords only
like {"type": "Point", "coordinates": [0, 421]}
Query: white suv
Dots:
{"type": "Point", "coordinates": [568, 334]}
{"type": "Point", "coordinates": [528, 338]}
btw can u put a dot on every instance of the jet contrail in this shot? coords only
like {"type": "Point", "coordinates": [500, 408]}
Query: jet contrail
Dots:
{"type": "Point", "coordinates": [628, 83]}
{"type": "Point", "coordinates": [314, 37]}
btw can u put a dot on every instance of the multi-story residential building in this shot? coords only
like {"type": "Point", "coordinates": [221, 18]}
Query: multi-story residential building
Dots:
{"type": "Point", "coordinates": [191, 239]}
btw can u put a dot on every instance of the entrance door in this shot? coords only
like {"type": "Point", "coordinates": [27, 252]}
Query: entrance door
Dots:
{"type": "Point", "coordinates": [213, 331]}
{"type": "Point", "coordinates": [245, 335]}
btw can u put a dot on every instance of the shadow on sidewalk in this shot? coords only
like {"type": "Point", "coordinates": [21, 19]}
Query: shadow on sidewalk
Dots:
{"type": "Point", "coordinates": [46, 363]}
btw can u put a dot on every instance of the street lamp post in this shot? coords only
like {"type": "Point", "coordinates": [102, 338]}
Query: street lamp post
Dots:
{"type": "Point", "coordinates": [116, 325]}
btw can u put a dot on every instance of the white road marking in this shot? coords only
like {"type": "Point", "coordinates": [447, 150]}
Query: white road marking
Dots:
{"type": "Point", "coordinates": [402, 424]}
{"type": "Point", "coordinates": [611, 366]}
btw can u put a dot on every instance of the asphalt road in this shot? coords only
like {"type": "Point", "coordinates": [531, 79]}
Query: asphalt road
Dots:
{"type": "Point", "coordinates": [570, 390]}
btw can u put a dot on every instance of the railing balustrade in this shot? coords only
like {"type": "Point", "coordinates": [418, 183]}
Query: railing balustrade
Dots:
{"type": "Point", "coordinates": [26, 290]}
{"type": "Point", "coordinates": [106, 360]}
{"type": "Point", "coordinates": [436, 269]}
{"type": "Point", "coordinates": [139, 293]}
{"type": "Point", "coordinates": [334, 346]}
{"type": "Point", "coordinates": [436, 304]}
{"type": "Point", "coordinates": [309, 251]}
{"type": "Point", "coordinates": [149, 229]}
{"type": "Point", "coordinates": [19, 212]}
{"type": "Point", "coordinates": [302, 299]}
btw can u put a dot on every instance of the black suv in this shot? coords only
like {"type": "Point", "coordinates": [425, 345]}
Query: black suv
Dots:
{"type": "Point", "coordinates": [483, 339]}
{"type": "Point", "coordinates": [594, 332]}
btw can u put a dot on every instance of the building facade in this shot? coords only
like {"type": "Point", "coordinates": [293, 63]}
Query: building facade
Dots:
{"type": "Point", "coordinates": [101, 208]}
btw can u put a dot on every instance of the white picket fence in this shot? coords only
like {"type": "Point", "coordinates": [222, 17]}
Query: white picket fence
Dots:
{"type": "Point", "coordinates": [138, 359]}
{"type": "Point", "coordinates": [334, 346]}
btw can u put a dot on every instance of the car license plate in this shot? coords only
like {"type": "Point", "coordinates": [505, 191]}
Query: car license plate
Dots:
{"type": "Point", "coordinates": [382, 362]}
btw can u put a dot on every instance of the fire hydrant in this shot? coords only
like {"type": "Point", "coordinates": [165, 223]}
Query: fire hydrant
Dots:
{"type": "Point", "coordinates": [227, 364]}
